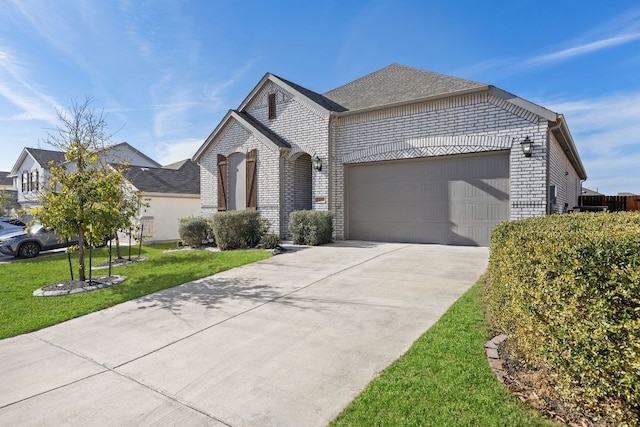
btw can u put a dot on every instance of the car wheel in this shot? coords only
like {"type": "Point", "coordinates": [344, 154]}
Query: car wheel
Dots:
{"type": "Point", "coordinates": [29, 250]}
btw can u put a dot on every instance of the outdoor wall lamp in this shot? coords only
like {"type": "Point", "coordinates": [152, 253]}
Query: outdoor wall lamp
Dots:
{"type": "Point", "coordinates": [317, 163]}
{"type": "Point", "coordinates": [527, 147]}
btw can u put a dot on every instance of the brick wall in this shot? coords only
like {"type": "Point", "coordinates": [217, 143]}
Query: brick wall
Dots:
{"type": "Point", "coordinates": [467, 124]}
{"type": "Point", "coordinates": [235, 138]}
{"type": "Point", "coordinates": [563, 175]}
{"type": "Point", "coordinates": [304, 126]}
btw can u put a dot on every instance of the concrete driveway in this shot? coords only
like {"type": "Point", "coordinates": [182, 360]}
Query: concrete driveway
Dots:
{"type": "Point", "coordinates": [288, 341]}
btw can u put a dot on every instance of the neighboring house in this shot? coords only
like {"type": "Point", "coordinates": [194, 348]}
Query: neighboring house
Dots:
{"type": "Point", "coordinates": [9, 197]}
{"type": "Point", "coordinates": [31, 170]}
{"type": "Point", "coordinates": [30, 173]}
{"type": "Point", "coordinates": [173, 192]}
{"type": "Point", "coordinates": [400, 155]}
{"type": "Point", "coordinates": [6, 182]}
{"type": "Point", "coordinates": [588, 192]}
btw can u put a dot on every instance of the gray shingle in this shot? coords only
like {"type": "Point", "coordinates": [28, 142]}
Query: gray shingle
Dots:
{"type": "Point", "coordinates": [315, 97]}
{"type": "Point", "coordinates": [182, 180]}
{"type": "Point", "coordinates": [4, 178]}
{"type": "Point", "coordinates": [395, 84]}
{"type": "Point", "coordinates": [44, 157]}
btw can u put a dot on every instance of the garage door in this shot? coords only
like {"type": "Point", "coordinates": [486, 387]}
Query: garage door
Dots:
{"type": "Point", "coordinates": [450, 200]}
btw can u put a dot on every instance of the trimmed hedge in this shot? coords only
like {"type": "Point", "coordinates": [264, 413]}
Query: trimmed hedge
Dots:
{"type": "Point", "coordinates": [310, 227]}
{"type": "Point", "coordinates": [239, 229]}
{"type": "Point", "coordinates": [195, 231]}
{"type": "Point", "coordinates": [566, 288]}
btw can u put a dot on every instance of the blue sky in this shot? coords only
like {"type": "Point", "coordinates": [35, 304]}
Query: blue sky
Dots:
{"type": "Point", "coordinates": [166, 72]}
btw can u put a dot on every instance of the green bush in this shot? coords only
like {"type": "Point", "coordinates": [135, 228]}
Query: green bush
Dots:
{"type": "Point", "coordinates": [270, 241]}
{"type": "Point", "coordinates": [239, 229]}
{"type": "Point", "coordinates": [195, 231]}
{"type": "Point", "coordinates": [311, 227]}
{"type": "Point", "coordinates": [566, 288]}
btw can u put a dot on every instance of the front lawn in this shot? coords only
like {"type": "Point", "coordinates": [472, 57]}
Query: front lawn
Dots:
{"type": "Point", "coordinates": [443, 380]}
{"type": "Point", "coordinates": [20, 312]}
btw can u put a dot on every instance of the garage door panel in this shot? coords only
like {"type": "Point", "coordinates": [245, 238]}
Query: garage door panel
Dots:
{"type": "Point", "coordinates": [449, 200]}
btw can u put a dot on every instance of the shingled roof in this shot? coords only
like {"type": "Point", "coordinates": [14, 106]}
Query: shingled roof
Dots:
{"type": "Point", "coordinates": [44, 157]}
{"type": "Point", "coordinates": [396, 84]}
{"type": "Point", "coordinates": [5, 179]}
{"type": "Point", "coordinates": [182, 180]}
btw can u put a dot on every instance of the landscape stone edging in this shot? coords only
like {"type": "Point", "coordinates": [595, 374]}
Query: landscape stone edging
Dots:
{"type": "Point", "coordinates": [111, 280]}
{"type": "Point", "coordinates": [491, 349]}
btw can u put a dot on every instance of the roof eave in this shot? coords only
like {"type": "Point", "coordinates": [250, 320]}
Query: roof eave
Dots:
{"type": "Point", "coordinates": [524, 104]}
{"type": "Point", "coordinates": [296, 93]}
{"type": "Point", "coordinates": [562, 133]}
{"type": "Point", "coordinates": [173, 195]}
{"type": "Point", "coordinates": [16, 167]}
{"type": "Point", "coordinates": [248, 126]}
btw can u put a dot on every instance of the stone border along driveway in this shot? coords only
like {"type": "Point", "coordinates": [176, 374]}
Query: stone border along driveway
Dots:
{"type": "Point", "coordinates": [288, 341]}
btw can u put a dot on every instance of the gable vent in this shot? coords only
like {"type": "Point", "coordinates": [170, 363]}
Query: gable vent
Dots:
{"type": "Point", "coordinates": [272, 106]}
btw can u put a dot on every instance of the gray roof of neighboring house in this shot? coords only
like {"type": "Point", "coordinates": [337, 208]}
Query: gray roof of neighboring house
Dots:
{"type": "Point", "coordinates": [4, 178]}
{"type": "Point", "coordinates": [182, 180]}
{"type": "Point", "coordinates": [588, 192]}
{"type": "Point", "coordinates": [396, 84]}
{"type": "Point", "coordinates": [44, 157]}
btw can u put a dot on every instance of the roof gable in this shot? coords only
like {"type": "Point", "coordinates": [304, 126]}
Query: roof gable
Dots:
{"type": "Point", "coordinates": [40, 156]}
{"type": "Point", "coordinates": [265, 135]}
{"type": "Point", "coordinates": [318, 102]}
{"type": "Point", "coordinates": [397, 84]}
{"type": "Point", "coordinates": [124, 152]}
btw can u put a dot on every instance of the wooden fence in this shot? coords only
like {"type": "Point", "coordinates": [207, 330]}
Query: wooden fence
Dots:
{"type": "Point", "coordinates": [614, 203]}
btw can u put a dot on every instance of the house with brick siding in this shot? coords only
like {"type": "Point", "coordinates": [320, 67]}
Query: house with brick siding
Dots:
{"type": "Point", "coordinates": [399, 155]}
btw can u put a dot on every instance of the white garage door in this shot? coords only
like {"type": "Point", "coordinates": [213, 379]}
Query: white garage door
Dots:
{"type": "Point", "coordinates": [450, 200]}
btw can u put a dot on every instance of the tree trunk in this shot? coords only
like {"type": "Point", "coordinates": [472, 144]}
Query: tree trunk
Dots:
{"type": "Point", "coordinates": [81, 274]}
{"type": "Point", "coordinates": [118, 252]}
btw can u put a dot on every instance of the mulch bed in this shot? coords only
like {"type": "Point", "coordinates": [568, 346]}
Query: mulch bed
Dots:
{"type": "Point", "coordinates": [77, 286]}
{"type": "Point", "coordinates": [536, 389]}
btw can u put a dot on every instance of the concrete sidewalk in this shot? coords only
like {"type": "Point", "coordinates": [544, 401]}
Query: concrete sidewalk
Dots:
{"type": "Point", "coordinates": [288, 341]}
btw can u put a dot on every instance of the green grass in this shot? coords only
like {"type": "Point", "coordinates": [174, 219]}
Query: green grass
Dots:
{"type": "Point", "coordinates": [20, 312]}
{"type": "Point", "coordinates": [443, 380]}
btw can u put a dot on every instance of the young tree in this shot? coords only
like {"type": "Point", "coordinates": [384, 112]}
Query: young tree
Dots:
{"type": "Point", "coordinates": [85, 196]}
{"type": "Point", "coordinates": [4, 202]}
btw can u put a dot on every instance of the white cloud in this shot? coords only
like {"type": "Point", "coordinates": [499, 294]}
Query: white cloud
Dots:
{"type": "Point", "coordinates": [582, 49]}
{"type": "Point", "coordinates": [34, 103]}
{"type": "Point", "coordinates": [174, 151]}
{"type": "Point", "coordinates": [606, 130]}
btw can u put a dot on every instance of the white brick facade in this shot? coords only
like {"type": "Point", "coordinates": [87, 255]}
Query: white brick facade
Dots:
{"type": "Point", "coordinates": [475, 123]}
{"type": "Point", "coordinates": [479, 121]}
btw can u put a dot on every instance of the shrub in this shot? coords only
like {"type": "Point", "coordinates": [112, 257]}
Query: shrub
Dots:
{"type": "Point", "coordinates": [239, 229]}
{"type": "Point", "coordinates": [566, 288]}
{"type": "Point", "coordinates": [270, 241]}
{"type": "Point", "coordinates": [311, 227]}
{"type": "Point", "coordinates": [195, 231]}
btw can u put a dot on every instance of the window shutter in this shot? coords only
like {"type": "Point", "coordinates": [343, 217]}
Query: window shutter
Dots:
{"type": "Point", "coordinates": [37, 180]}
{"type": "Point", "coordinates": [252, 199]}
{"type": "Point", "coordinates": [222, 183]}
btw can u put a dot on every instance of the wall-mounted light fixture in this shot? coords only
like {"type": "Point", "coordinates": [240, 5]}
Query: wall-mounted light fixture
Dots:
{"type": "Point", "coordinates": [317, 163]}
{"type": "Point", "coordinates": [527, 147]}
